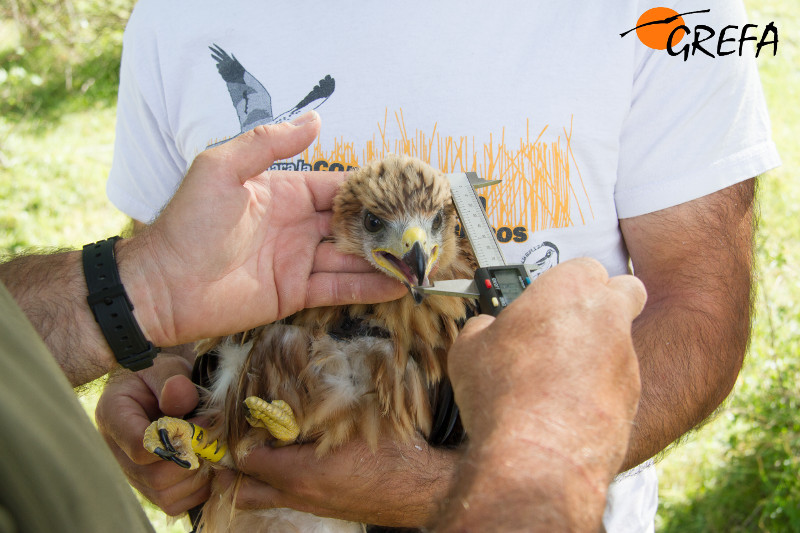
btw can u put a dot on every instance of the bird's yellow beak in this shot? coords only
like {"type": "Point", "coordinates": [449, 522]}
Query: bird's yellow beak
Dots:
{"type": "Point", "coordinates": [411, 259]}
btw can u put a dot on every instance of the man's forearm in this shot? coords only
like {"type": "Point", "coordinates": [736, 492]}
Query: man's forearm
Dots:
{"type": "Point", "coordinates": [51, 291]}
{"type": "Point", "coordinates": [696, 261]}
{"type": "Point", "coordinates": [689, 359]}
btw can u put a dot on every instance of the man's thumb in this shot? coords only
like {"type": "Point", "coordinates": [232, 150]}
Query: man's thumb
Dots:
{"type": "Point", "coordinates": [178, 396]}
{"type": "Point", "coordinates": [256, 150]}
{"type": "Point", "coordinates": [169, 382]}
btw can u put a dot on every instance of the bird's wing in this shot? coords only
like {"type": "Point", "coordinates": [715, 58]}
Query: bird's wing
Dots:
{"type": "Point", "coordinates": [315, 98]}
{"type": "Point", "coordinates": [250, 98]}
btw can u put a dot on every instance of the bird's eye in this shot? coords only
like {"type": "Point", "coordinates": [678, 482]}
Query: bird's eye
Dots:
{"type": "Point", "coordinates": [437, 221]}
{"type": "Point", "coordinates": [372, 223]}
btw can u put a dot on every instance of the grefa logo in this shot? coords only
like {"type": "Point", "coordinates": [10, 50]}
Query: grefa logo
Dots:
{"type": "Point", "coordinates": [662, 28]}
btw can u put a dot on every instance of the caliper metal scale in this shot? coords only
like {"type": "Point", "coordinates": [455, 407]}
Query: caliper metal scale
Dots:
{"type": "Point", "coordinates": [496, 284]}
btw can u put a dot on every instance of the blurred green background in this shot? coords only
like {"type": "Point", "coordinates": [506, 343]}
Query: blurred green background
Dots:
{"type": "Point", "coordinates": [59, 71]}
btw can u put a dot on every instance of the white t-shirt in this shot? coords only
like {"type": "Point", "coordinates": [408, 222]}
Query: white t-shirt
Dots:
{"type": "Point", "coordinates": [583, 126]}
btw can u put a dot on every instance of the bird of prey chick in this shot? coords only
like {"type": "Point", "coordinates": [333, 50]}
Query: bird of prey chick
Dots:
{"type": "Point", "coordinates": [332, 374]}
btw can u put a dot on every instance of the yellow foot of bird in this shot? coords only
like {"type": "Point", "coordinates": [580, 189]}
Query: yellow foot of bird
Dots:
{"type": "Point", "coordinates": [275, 416]}
{"type": "Point", "coordinates": [181, 442]}
{"type": "Point", "coordinates": [171, 439]}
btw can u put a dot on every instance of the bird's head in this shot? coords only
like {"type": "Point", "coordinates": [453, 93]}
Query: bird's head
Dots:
{"type": "Point", "coordinates": [399, 215]}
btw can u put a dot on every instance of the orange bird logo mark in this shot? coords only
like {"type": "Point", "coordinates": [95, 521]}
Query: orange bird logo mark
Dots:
{"type": "Point", "coordinates": [656, 25]}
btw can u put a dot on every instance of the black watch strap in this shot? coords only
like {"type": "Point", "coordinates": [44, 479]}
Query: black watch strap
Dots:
{"type": "Point", "coordinates": [112, 309]}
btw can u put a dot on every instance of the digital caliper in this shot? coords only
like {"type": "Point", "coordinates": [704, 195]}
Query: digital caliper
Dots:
{"type": "Point", "coordinates": [496, 284]}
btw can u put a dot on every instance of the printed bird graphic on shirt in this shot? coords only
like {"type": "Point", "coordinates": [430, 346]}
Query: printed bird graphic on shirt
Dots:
{"type": "Point", "coordinates": [544, 256]}
{"type": "Point", "coordinates": [251, 99]}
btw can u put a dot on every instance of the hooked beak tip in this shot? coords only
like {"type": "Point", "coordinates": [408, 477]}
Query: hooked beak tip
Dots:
{"type": "Point", "coordinates": [418, 295]}
{"type": "Point", "coordinates": [417, 261]}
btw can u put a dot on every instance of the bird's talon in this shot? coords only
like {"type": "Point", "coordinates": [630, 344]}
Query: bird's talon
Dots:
{"type": "Point", "coordinates": [275, 416]}
{"type": "Point", "coordinates": [164, 454]}
{"type": "Point", "coordinates": [181, 463]}
{"type": "Point", "coordinates": [163, 434]}
{"type": "Point", "coordinates": [171, 439]}
{"type": "Point", "coordinates": [172, 456]}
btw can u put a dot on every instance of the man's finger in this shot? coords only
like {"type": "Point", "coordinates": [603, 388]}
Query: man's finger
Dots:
{"type": "Point", "coordinates": [164, 369]}
{"type": "Point", "coordinates": [254, 495]}
{"type": "Point", "coordinates": [172, 502]}
{"type": "Point", "coordinates": [633, 288]}
{"type": "Point", "coordinates": [129, 464]}
{"type": "Point", "coordinates": [123, 418]}
{"type": "Point", "coordinates": [272, 476]}
{"type": "Point", "coordinates": [251, 494]}
{"type": "Point", "coordinates": [279, 466]}
{"type": "Point", "coordinates": [327, 259]}
{"type": "Point", "coordinates": [323, 187]}
{"type": "Point", "coordinates": [254, 151]}
{"type": "Point", "coordinates": [326, 288]}
{"type": "Point", "coordinates": [585, 266]}
{"type": "Point", "coordinates": [190, 502]}
{"type": "Point", "coordinates": [475, 325]}
{"type": "Point", "coordinates": [178, 396]}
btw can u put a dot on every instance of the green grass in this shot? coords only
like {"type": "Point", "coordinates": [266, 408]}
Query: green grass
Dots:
{"type": "Point", "coordinates": [59, 72]}
{"type": "Point", "coordinates": [52, 183]}
{"type": "Point", "coordinates": [740, 472]}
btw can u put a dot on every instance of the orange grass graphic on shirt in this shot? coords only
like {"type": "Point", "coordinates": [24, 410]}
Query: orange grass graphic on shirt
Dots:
{"type": "Point", "coordinates": [542, 186]}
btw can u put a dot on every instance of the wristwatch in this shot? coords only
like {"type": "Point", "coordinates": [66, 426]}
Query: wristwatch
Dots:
{"type": "Point", "coordinates": [112, 309]}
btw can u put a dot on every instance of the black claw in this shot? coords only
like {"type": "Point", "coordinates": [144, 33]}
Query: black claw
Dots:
{"type": "Point", "coordinates": [162, 433]}
{"type": "Point", "coordinates": [164, 454]}
{"type": "Point", "coordinates": [170, 454]}
{"type": "Point", "coordinates": [181, 463]}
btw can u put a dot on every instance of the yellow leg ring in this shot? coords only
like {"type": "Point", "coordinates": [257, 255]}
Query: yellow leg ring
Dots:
{"type": "Point", "coordinates": [210, 451]}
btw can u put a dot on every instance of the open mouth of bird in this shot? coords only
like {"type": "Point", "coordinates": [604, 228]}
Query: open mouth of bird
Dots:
{"type": "Point", "coordinates": [412, 268]}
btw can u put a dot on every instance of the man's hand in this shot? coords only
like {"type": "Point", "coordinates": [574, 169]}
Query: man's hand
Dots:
{"type": "Point", "coordinates": [518, 381]}
{"type": "Point", "coordinates": [239, 246]}
{"type": "Point", "coordinates": [399, 485]}
{"type": "Point", "coordinates": [130, 401]}
{"type": "Point", "coordinates": [569, 334]}
{"type": "Point", "coordinates": [547, 393]}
